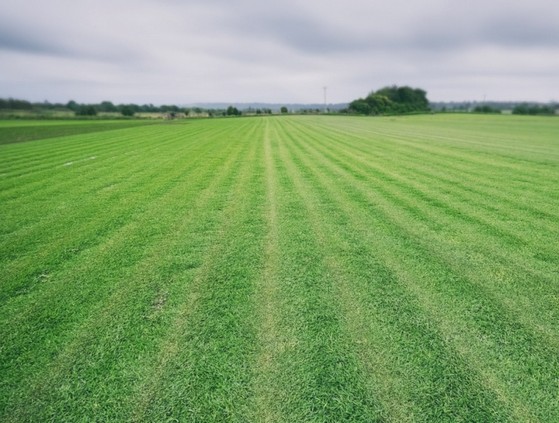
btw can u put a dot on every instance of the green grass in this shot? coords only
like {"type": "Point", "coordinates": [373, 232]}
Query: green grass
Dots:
{"type": "Point", "coordinates": [14, 131]}
{"type": "Point", "coordinates": [280, 269]}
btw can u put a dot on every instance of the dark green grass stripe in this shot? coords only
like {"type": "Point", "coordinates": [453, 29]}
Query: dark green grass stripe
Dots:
{"type": "Point", "coordinates": [431, 383]}
{"type": "Point", "coordinates": [516, 266]}
{"type": "Point", "coordinates": [105, 150]}
{"type": "Point", "coordinates": [95, 189]}
{"type": "Point", "coordinates": [63, 243]}
{"type": "Point", "coordinates": [419, 146]}
{"type": "Point", "coordinates": [20, 134]}
{"type": "Point", "coordinates": [486, 334]}
{"type": "Point", "coordinates": [526, 279]}
{"type": "Point", "coordinates": [452, 204]}
{"type": "Point", "coordinates": [120, 307]}
{"type": "Point", "coordinates": [316, 369]}
{"type": "Point", "coordinates": [202, 369]}
{"type": "Point", "coordinates": [479, 180]}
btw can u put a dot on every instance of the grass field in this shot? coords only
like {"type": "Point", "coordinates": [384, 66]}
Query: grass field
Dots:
{"type": "Point", "coordinates": [281, 269]}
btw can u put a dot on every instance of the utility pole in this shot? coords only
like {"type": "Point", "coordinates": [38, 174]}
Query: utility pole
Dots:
{"type": "Point", "coordinates": [325, 88]}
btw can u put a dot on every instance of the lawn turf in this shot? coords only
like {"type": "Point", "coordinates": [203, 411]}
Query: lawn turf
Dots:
{"type": "Point", "coordinates": [289, 268]}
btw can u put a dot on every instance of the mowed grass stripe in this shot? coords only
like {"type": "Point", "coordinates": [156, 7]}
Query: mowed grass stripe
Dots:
{"type": "Point", "coordinates": [534, 137]}
{"type": "Point", "coordinates": [484, 324]}
{"type": "Point", "coordinates": [26, 132]}
{"type": "Point", "coordinates": [100, 220]}
{"type": "Point", "coordinates": [161, 293]}
{"type": "Point", "coordinates": [125, 176]}
{"type": "Point", "coordinates": [93, 166]}
{"type": "Point", "coordinates": [269, 398]}
{"type": "Point", "coordinates": [384, 319]}
{"type": "Point", "coordinates": [472, 177]}
{"type": "Point", "coordinates": [28, 160]}
{"type": "Point", "coordinates": [419, 148]}
{"type": "Point", "coordinates": [304, 268]}
{"type": "Point", "coordinates": [446, 199]}
{"type": "Point", "coordinates": [527, 172]}
{"type": "Point", "coordinates": [119, 149]}
{"type": "Point", "coordinates": [71, 142]}
{"type": "Point", "coordinates": [117, 260]}
{"type": "Point", "coordinates": [317, 377]}
{"type": "Point", "coordinates": [202, 369]}
{"type": "Point", "coordinates": [438, 222]}
{"type": "Point", "coordinates": [525, 276]}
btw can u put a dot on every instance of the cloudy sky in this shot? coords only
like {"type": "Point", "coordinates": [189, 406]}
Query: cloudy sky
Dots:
{"type": "Point", "coordinates": [186, 51]}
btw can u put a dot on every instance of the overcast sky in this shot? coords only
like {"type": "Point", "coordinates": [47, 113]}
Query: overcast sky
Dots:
{"type": "Point", "coordinates": [173, 51]}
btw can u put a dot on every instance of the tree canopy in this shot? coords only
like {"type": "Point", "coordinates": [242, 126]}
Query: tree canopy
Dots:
{"type": "Point", "coordinates": [391, 100]}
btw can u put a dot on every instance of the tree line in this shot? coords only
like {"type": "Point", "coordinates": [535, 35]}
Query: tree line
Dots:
{"type": "Point", "coordinates": [93, 109]}
{"type": "Point", "coordinates": [391, 100]}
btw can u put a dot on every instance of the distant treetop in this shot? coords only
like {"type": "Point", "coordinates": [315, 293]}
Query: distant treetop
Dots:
{"type": "Point", "coordinates": [391, 100]}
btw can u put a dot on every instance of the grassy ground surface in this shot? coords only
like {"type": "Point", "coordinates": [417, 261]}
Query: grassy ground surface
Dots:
{"type": "Point", "coordinates": [282, 269]}
{"type": "Point", "coordinates": [16, 131]}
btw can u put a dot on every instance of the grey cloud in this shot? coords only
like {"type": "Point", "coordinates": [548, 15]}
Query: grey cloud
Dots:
{"type": "Point", "coordinates": [177, 50]}
{"type": "Point", "coordinates": [28, 41]}
{"type": "Point", "coordinates": [444, 29]}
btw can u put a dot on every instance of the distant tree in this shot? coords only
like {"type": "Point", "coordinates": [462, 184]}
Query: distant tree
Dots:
{"type": "Point", "coordinates": [391, 100]}
{"type": "Point", "coordinates": [232, 111]}
{"type": "Point", "coordinates": [107, 106]}
{"type": "Point", "coordinates": [527, 109]}
{"type": "Point", "coordinates": [127, 111]}
{"type": "Point", "coordinates": [485, 109]}
{"type": "Point", "coordinates": [283, 109]}
{"type": "Point", "coordinates": [15, 104]}
{"type": "Point", "coordinates": [86, 110]}
{"type": "Point", "coordinates": [360, 106]}
{"type": "Point", "coordinates": [169, 108]}
{"type": "Point", "coordinates": [72, 105]}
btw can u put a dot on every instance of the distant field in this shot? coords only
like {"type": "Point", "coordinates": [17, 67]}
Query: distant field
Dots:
{"type": "Point", "coordinates": [16, 131]}
{"type": "Point", "coordinates": [281, 269]}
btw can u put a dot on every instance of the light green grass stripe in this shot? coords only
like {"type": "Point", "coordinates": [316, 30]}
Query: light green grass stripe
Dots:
{"type": "Point", "coordinates": [101, 220]}
{"type": "Point", "coordinates": [317, 377]}
{"type": "Point", "coordinates": [36, 206]}
{"type": "Point", "coordinates": [202, 369]}
{"type": "Point", "coordinates": [521, 273]}
{"type": "Point", "coordinates": [387, 323]}
{"type": "Point", "coordinates": [421, 145]}
{"type": "Point", "coordinates": [120, 150]}
{"type": "Point", "coordinates": [271, 340]}
{"type": "Point", "coordinates": [111, 275]}
{"type": "Point", "coordinates": [479, 179]}
{"type": "Point", "coordinates": [499, 337]}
